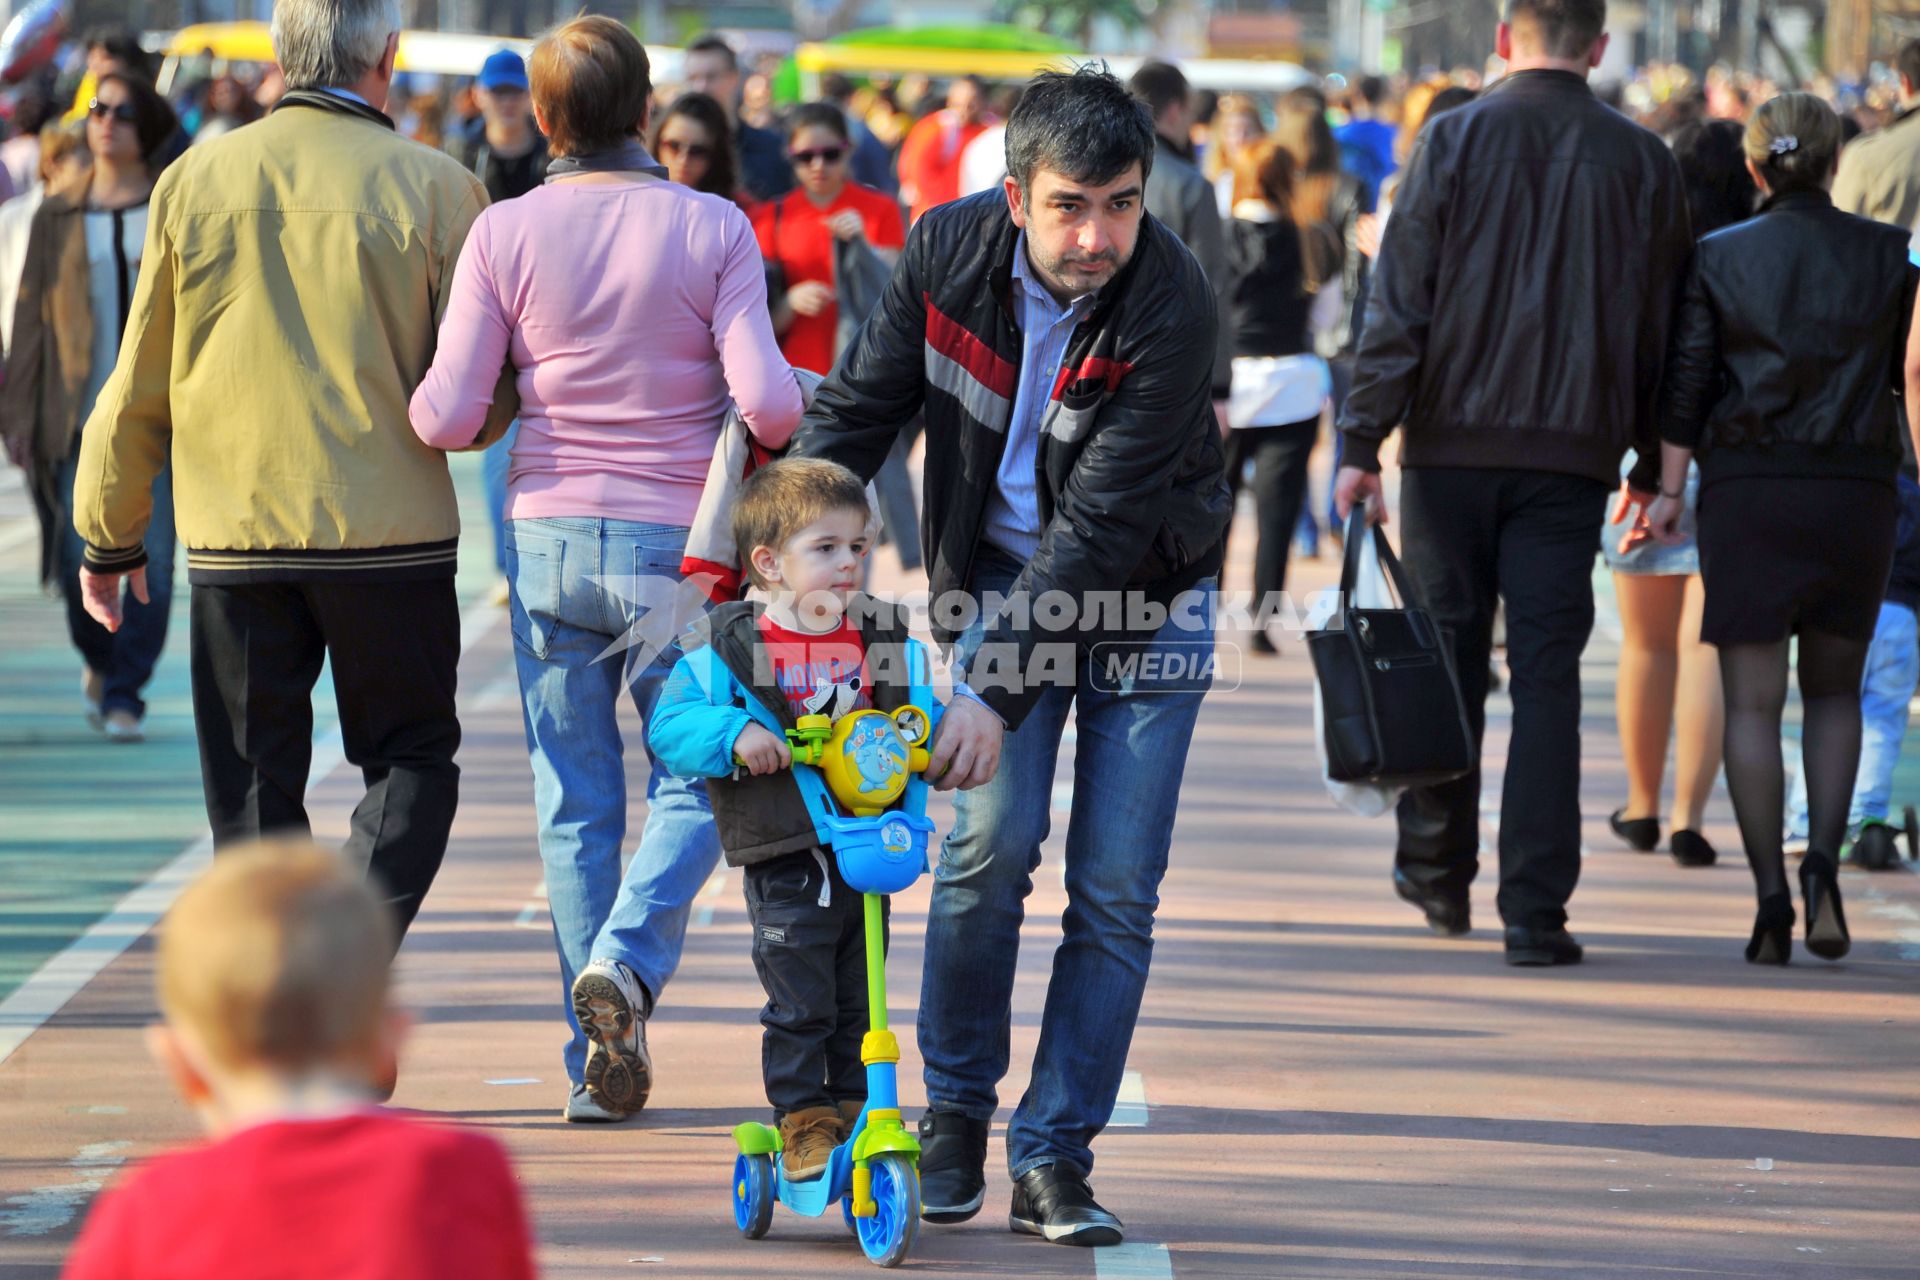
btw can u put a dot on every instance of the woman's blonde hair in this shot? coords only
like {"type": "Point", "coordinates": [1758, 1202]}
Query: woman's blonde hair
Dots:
{"type": "Point", "coordinates": [1794, 140]}
{"type": "Point", "coordinates": [1218, 162]}
{"type": "Point", "coordinates": [1264, 171]}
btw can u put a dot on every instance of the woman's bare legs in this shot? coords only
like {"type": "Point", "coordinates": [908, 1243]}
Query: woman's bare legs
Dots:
{"type": "Point", "coordinates": [1701, 714]}
{"type": "Point", "coordinates": [1651, 612]}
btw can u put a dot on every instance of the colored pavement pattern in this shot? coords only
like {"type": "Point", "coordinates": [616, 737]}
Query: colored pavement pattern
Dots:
{"type": "Point", "coordinates": [1318, 1087]}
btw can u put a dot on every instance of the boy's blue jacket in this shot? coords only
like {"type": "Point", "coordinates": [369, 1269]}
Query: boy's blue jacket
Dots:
{"type": "Point", "coordinates": [723, 684]}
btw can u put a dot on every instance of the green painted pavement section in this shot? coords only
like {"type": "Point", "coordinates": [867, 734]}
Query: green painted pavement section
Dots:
{"type": "Point", "coordinates": [83, 820]}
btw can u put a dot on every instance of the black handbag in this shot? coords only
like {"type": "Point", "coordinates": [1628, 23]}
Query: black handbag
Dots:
{"type": "Point", "coordinates": [1392, 713]}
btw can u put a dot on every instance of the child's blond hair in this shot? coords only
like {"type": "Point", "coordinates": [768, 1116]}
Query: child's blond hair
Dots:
{"type": "Point", "coordinates": [277, 957]}
{"type": "Point", "coordinates": [784, 497]}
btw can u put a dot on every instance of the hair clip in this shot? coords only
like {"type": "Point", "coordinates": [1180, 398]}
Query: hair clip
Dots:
{"type": "Point", "coordinates": [1784, 145]}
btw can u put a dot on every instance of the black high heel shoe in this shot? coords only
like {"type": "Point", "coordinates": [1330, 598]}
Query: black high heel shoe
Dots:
{"type": "Point", "coordinates": [1641, 834]}
{"type": "Point", "coordinates": [1827, 935]}
{"type": "Point", "coordinates": [1772, 941]}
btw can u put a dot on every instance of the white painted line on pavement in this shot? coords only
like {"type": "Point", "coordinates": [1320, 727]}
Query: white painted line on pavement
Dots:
{"type": "Point", "coordinates": [1133, 1262]}
{"type": "Point", "coordinates": [1063, 796]}
{"type": "Point", "coordinates": [514, 1080]}
{"type": "Point", "coordinates": [27, 531]}
{"type": "Point", "coordinates": [716, 885]}
{"type": "Point", "coordinates": [1130, 1108]}
{"type": "Point", "coordinates": [499, 693]}
{"type": "Point", "coordinates": [529, 917]}
{"type": "Point", "coordinates": [47, 1209]}
{"type": "Point", "coordinates": [1906, 932]}
{"type": "Point", "coordinates": [63, 976]}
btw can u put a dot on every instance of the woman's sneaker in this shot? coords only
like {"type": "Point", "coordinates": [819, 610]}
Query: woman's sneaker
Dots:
{"type": "Point", "coordinates": [612, 1009]}
{"type": "Point", "coordinates": [1055, 1201]}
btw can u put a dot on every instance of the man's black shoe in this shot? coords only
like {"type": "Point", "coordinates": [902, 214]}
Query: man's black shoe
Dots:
{"type": "Point", "coordinates": [953, 1166]}
{"type": "Point", "coordinates": [1539, 947]}
{"type": "Point", "coordinates": [1447, 916]}
{"type": "Point", "coordinates": [1055, 1201]}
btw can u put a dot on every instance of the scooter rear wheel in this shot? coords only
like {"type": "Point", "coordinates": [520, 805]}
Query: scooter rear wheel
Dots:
{"type": "Point", "coordinates": [888, 1237]}
{"type": "Point", "coordinates": [753, 1195]}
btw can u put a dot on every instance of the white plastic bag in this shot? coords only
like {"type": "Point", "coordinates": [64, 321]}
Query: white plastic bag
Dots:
{"type": "Point", "coordinates": [1370, 591]}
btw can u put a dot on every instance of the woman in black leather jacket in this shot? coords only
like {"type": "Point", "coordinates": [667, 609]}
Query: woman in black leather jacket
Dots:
{"type": "Point", "coordinates": [1784, 363]}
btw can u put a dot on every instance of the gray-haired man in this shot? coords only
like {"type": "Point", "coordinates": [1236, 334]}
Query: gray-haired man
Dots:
{"type": "Point", "coordinates": [297, 270]}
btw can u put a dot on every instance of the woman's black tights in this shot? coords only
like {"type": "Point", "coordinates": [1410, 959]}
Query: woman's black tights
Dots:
{"type": "Point", "coordinates": [1755, 678]}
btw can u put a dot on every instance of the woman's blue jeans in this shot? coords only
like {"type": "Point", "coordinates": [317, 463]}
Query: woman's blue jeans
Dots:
{"type": "Point", "coordinates": [597, 605]}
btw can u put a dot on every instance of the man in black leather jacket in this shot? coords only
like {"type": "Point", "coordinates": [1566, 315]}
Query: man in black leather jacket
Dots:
{"type": "Point", "coordinates": [1517, 328]}
{"type": "Point", "coordinates": [1061, 344]}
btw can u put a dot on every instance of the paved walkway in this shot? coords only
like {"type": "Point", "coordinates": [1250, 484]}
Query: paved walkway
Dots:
{"type": "Point", "coordinates": [1319, 1087]}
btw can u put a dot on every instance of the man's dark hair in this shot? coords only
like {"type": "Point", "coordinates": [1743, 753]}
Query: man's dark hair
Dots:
{"type": "Point", "coordinates": [1206, 105]}
{"type": "Point", "coordinates": [1908, 62]}
{"type": "Point", "coordinates": [712, 42]}
{"type": "Point", "coordinates": [1082, 124]}
{"type": "Point", "coordinates": [1454, 95]}
{"type": "Point", "coordinates": [1713, 166]}
{"type": "Point", "coordinates": [1372, 89]}
{"type": "Point", "coordinates": [122, 44]}
{"type": "Point", "coordinates": [1160, 85]}
{"type": "Point", "coordinates": [835, 87]}
{"type": "Point", "coordinates": [33, 109]}
{"type": "Point", "coordinates": [1564, 28]}
{"type": "Point", "coordinates": [818, 115]}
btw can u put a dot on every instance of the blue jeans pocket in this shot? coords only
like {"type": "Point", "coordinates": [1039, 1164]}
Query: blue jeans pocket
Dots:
{"type": "Point", "coordinates": [534, 564]}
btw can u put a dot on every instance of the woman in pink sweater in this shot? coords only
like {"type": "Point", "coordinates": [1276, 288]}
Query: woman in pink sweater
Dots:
{"type": "Point", "coordinates": [631, 311]}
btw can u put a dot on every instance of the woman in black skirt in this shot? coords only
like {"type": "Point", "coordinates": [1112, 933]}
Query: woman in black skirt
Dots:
{"type": "Point", "coordinates": [1786, 358]}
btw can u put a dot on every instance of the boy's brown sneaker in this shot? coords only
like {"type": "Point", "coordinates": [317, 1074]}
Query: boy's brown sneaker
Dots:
{"type": "Point", "coordinates": [850, 1109]}
{"type": "Point", "coordinates": [807, 1139]}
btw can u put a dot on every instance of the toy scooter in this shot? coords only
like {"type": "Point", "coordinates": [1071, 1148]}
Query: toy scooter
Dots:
{"type": "Point", "coordinates": [860, 778]}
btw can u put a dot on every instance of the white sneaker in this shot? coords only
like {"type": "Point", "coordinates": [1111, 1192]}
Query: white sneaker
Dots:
{"type": "Point", "coordinates": [124, 726]}
{"type": "Point", "coordinates": [582, 1109]}
{"type": "Point", "coordinates": [611, 1008]}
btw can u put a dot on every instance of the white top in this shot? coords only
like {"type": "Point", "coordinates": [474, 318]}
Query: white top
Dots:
{"type": "Point", "coordinates": [983, 165]}
{"type": "Point", "coordinates": [115, 238]}
{"type": "Point", "coordinates": [16, 224]}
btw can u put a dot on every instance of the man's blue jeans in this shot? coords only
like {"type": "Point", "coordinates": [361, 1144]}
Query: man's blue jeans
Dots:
{"type": "Point", "coordinates": [1128, 760]}
{"type": "Point", "coordinates": [596, 607]}
{"type": "Point", "coordinates": [1886, 689]}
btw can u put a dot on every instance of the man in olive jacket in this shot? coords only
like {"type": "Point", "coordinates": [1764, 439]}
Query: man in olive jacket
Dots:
{"type": "Point", "coordinates": [296, 271]}
{"type": "Point", "coordinates": [1517, 327]}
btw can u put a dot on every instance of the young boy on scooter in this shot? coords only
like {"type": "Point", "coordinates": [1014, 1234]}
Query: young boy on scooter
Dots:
{"type": "Point", "coordinates": [813, 645]}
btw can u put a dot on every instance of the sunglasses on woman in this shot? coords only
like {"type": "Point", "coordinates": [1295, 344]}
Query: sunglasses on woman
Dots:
{"type": "Point", "coordinates": [825, 155]}
{"type": "Point", "coordinates": [123, 112]}
{"type": "Point", "coordinates": [691, 150]}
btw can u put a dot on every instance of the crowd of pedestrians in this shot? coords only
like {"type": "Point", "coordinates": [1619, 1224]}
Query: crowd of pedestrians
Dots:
{"type": "Point", "coordinates": [1102, 309]}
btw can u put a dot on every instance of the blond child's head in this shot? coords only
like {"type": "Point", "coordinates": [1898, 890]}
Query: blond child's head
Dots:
{"type": "Point", "coordinates": [801, 527]}
{"type": "Point", "coordinates": [273, 967]}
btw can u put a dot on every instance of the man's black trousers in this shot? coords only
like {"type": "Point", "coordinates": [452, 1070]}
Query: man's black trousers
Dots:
{"type": "Point", "coordinates": [394, 648]}
{"type": "Point", "coordinates": [1471, 538]}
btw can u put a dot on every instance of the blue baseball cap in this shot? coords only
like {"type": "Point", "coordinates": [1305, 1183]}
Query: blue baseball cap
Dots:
{"type": "Point", "coordinates": [503, 70]}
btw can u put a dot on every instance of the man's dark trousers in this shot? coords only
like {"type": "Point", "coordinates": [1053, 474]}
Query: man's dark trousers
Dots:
{"type": "Point", "coordinates": [395, 646]}
{"type": "Point", "coordinates": [1472, 537]}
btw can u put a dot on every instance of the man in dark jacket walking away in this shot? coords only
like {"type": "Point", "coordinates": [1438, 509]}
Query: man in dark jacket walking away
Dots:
{"type": "Point", "coordinates": [1061, 344]}
{"type": "Point", "coordinates": [1183, 201]}
{"type": "Point", "coordinates": [1560, 231]}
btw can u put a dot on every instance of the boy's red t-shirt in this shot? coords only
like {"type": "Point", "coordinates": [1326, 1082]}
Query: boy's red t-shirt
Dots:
{"type": "Point", "coordinates": [824, 674]}
{"type": "Point", "coordinates": [793, 232]}
{"type": "Point", "coordinates": [365, 1196]}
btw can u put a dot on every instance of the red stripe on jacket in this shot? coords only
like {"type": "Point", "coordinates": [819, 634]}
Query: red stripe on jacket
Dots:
{"type": "Point", "coordinates": [954, 341]}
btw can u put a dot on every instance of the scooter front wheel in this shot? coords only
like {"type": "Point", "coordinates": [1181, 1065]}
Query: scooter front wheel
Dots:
{"type": "Point", "coordinates": [888, 1236]}
{"type": "Point", "coordinates": [753, 1195]}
